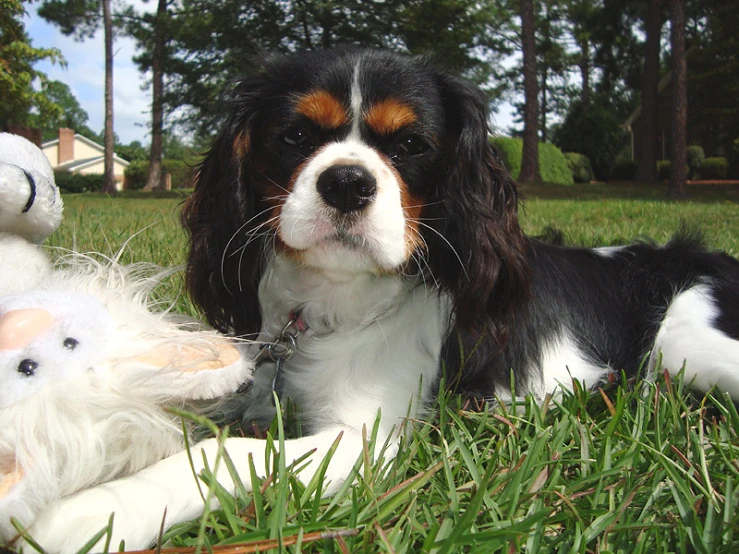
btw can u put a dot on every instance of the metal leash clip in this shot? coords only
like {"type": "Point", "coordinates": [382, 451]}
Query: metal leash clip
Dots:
{"type": "Point", "coordinates": [280, 350]}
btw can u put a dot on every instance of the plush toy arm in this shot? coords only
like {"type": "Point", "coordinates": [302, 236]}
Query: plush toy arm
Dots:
{"type": "Point", "coordinates": [201, 369]}
{"type": "Point", "coordinates": [23, 265]}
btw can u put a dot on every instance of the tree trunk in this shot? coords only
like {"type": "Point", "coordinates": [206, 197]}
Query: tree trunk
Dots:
{"type": "Point", "coordinates": [585, 73]}
{"type": "Point", "coordinates": [678, 177]}
{"type": "Point", "coordinates": [543, 125]}
{"type": "Point", "coordinates": [154, 179]}
{"type": "Point", "coordinates": [109, 185]}
{"type": "Point", "coordinates": [530, 159]}
{"type": "Point", "coordinates": [647, 156]}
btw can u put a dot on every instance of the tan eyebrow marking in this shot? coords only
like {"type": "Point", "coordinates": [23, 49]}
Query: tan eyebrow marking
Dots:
{"type": "Point", "coordinates": [387, 116]}
{"type": "Point", "coordinates": [241, 145]}
{"type": "Point", "coordinates": [323, 108]}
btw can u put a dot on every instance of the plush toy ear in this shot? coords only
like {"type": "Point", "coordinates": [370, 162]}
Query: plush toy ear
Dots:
{"type": "Point", "coordinates": [202, 369]}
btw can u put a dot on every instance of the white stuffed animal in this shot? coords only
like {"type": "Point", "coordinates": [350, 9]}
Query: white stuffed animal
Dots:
{"type": "Point", "coordinates": [30, 204]}
{"type": "Point", "coordinates": [88, 365]}
{"type": "Point", "coordinates": [87, 368]}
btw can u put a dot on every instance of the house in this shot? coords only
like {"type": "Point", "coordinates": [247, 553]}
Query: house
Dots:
{"type": "Point", "coordinates": [77, 154]}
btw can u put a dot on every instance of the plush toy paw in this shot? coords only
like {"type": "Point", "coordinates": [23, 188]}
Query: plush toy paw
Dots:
{"type": "Point", "coordinates": [30, 204]}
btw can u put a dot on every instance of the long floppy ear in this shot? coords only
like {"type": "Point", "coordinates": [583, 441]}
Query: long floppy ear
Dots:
{"type": "Point", "coordinates": [487, 273]}
{"type": "Point", "coordinates": [222, 217]}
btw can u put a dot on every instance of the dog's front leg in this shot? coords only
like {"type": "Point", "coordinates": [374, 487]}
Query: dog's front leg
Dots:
{"type": "Point", "coordinates": [139, 501]}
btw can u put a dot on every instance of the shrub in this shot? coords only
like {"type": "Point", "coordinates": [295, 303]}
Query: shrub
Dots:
{"type": "Point", "coordinates": [664, 167]}
{"type": "Point", "coordinates": [580, 167]}
{"type": "Point", "coordinates": [624, 170]}
{"type": "Point", "coordinates": [138, 171]}
{"type": "Point", "coordinates": [715, 168]}
{"type": "Point", "coordinates": [552, 163]}
{"type": "Point", "coordinates": [695, 157]}
{"type": "Point", "coordinates": [136, 174]}
{"type": "Point", "coordinates": [734, 160]}
{"type": "Point", "coordinates": [510, 151]}
{"type": "Point", "coordinates": [594, 132]}
{"type": "Point", "coordinates": [78, 182]}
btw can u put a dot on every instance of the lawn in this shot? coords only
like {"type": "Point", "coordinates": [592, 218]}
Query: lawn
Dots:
{"type": "Point", "coordinates": [640, 467]}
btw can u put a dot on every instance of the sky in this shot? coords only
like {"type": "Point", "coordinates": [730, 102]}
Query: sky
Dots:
{"type": "Point", "coordinates": [85, 76]}
{"type": "Point", "coordinates": [85, 73]}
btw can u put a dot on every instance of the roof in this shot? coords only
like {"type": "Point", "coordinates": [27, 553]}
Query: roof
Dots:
{"type": "Point", "coordinates": [80, 164]}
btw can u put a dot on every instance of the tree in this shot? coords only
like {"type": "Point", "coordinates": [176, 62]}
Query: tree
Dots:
{"type": "Point", "coordinates": [647, 157]}
{"type": "Point", "coordinates": [82, 18]}
{"type": "Point", "coordinates": [215, 42]}
{"type": "Point", "coordinates": [70, 115]}
{"type": "Point", "coordinates": [678, 159]}
{"type": "Point", "coordinates": [152, 35]}
{"type": "Point", "coordinates": [17, 75]}
{"type": "Point", "coordinates": [530, 158]}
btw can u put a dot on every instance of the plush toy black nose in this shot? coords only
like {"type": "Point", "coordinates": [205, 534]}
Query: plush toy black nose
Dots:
{"type": "Point", "coordinates": [347, 187]}
{"type": "Point", "coordinates": [27, 367]}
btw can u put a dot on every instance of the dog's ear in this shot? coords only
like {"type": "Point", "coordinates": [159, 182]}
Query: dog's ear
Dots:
{"type": "Point", "coordinates": [222, 217]}
{"type": "Point", "coordinates": [485, 266]}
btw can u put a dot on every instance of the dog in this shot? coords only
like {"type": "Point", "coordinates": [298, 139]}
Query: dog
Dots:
{"type": "Point", "coordinates": [352, 213]}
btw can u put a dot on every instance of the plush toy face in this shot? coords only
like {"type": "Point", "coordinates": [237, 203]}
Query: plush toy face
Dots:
{"type": "Point", "coordinates": [47, 337]}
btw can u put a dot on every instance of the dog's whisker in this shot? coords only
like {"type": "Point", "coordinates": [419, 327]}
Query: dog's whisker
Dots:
{"type": "Point", "coordinates": [456, 254]}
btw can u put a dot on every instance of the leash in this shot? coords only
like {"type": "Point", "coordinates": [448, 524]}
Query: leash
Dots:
{"type": "Point", "coordinates": [281, 349]}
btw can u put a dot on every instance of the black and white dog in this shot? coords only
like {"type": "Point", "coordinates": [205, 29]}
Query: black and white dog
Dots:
{"type": "Point", "coordinates": [353, 197]}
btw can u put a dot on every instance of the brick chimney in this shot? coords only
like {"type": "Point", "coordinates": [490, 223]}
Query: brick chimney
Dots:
{"type": "Point", "coordinates": [66, 145]}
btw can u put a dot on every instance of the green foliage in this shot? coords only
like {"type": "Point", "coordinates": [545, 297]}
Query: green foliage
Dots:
{"type": "Point", "coordinates": [132, 151]}
{"type": "Point", "coordinates": [78, 182]}
{"type": "Point", "coordinates": [72, 115]}
{"type": "Point", "coordinates": [510, 151]}
{"type": "Point", "coordinates": [552, 163]}
{"type": "Point", "coordinates": [17, 73]}
{"type": "Point", "coordinates": [624, 170]}
{"type": "Point", "coordinates": [695, 157]}
{"type": "Point", "coordinates": [595, 132]}
{"type": "Point", "coordinates": [138, 171]}
{"type": "Point", "coordinates": [80, 18]}
{"type": "Point", "coordinates": [715, 168]}
{"type": "Point", "coordinates": [664, 167]}
{"type": "Point", "coordinates": [579, 164]}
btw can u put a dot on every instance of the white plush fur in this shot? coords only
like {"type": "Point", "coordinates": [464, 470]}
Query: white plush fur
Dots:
{"type": "Point", "coordinates": [97, 412]}
{"type": "Point", "coordinates": [20, 160]}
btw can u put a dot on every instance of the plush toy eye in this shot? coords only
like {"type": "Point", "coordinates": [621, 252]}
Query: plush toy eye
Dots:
{"type": "Point", "coordinates": [70, 343]}
{"type": "Point", "coordinates": [27, 367]}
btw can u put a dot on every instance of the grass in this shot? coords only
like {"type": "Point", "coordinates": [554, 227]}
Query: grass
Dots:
{"type": "Point", "coordinates": [639, 467]}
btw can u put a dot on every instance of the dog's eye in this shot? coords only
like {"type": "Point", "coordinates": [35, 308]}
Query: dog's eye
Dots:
{"type": "Point", "coordinates": [298, 136]}
{"type": "Point", "coordinates": [411, 145]}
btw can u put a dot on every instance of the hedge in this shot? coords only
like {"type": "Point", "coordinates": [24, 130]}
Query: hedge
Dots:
{"type": "Point", "coordinates": [664, 169]}
{"type": "Point", "coordinates": [138, 171]}
{"type": "Point", "coordinates": [624, 170]}
{"type": "Point", "coordinates": [552, 163]}
{"type": "Point", "coordinates": [695, 157]}
{"type": "Point", "coordinates": [711, 168]}
{"type": "Point", "coordinates": [580, 167]}
{"type": "Point", "coordinates": [715, 168]}
{"type": "Point", "coordinates": [78, 182]}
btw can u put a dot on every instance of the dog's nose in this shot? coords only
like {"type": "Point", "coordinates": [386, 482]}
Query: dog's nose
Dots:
{"type": "Point", "coordinates": [347, 187]}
